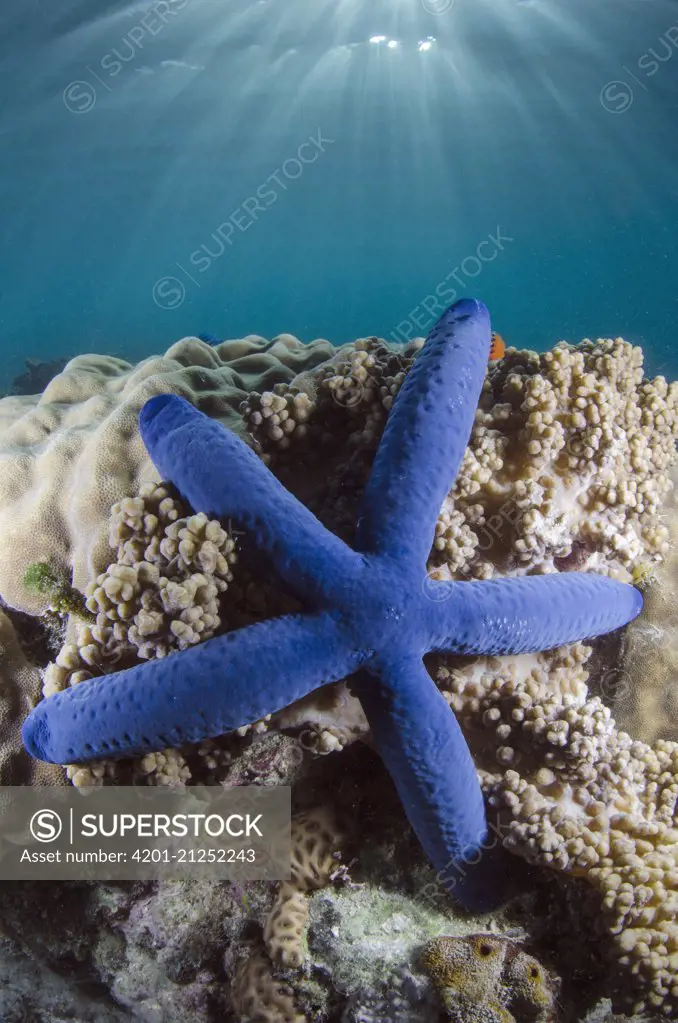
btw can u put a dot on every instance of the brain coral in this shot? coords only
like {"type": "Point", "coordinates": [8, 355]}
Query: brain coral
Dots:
{"type": "Point", "coordinates": [70, 453]}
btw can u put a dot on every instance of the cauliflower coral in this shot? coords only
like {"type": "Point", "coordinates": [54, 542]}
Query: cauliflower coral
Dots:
{"type": "Point", "coordinates": [161, 594]}
{"type": "Point", "coordinates": [577, 796]}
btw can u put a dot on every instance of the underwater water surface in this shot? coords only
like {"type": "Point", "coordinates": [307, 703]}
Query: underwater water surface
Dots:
{"type": "Point", "coordinates": [334, 169]}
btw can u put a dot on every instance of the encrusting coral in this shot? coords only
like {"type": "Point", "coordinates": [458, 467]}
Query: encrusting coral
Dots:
{"type": "Point", "coordinates": [316, 855]}
{"type": "Point", "coordinates": [258, 997]}
{"type": "Point", "coordinates": [19, 691]}
{"type": "Point", "coordinates": [483, 978]}
{"type": "Point", "coordinates": [256, 993]}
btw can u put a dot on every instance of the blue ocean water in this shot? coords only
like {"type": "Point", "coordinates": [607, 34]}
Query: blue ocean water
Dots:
{"type": "Point", "coordinates": [336, 169]}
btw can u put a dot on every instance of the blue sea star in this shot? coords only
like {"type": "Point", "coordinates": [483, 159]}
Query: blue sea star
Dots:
{"type": "Point", "coordinates": [371, 610]}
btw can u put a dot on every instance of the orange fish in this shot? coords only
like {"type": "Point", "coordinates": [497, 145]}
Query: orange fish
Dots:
{"type": "Point", "coordinates": [497, 347]}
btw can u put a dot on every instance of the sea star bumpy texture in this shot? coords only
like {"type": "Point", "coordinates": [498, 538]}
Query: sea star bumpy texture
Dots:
{"type": "Point", "coordinates": [372, 610]}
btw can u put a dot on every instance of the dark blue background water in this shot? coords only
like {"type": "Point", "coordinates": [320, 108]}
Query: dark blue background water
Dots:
{"type": "Point", "coordinates": [131, 132]}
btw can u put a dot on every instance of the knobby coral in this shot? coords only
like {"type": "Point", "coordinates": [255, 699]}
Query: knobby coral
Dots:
{"type": "Point", "coordinates": [566, 466]}
{"type": "Point", "coordinates": [161, 594]}
{"type": "Point", "coordinates": [580, 797]}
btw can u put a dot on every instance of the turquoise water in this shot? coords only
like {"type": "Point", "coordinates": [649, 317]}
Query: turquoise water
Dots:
{"type": "Point", "coordinates": [159, 175]}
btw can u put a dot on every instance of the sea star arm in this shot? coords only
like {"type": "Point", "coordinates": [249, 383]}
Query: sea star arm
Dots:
{"type": "Point", "coordinates": [527, 614]}
{"type": "Point", "coordinates": [219, 475]}
{"type": "Point", "coordinates": [420, 741]}
{"type": "Point", "coordinates": [425, 437]}
{"type": "Point", "coordinates": [204, 691]}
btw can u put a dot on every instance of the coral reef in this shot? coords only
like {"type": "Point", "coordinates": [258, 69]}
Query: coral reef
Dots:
{"type": "Point", "coordinates": [347, 398]}
{"type": "Point", "coordinates": [372, 610]}
{"type": "Point", "coordinates": [258, 992]}
{"type": "Point", "coordinates": [552, 432]}
{"type": "Point", "coordinates": [567, 465]}
{"type": "Point", "coordinates": [151, 952]}
{"type": "Point", "coordinates": [530, 436]}
{"type": "Point", "coordinates": [367, 940]}
{"type": "Point", "coordinates": [162, 593]}
{"type": "Point", "coordinates": [584, 443]}
{"type": "Point", "coordinates": [579, 796]}
{"type": "Point", "coordinates": [71, 452]}
{"type": "Point", "coordinates": [486, 979]}
{"type": "Point", "coordinates": [316, 856]}
{"type": "Point", "coordinates": [31, 991]}
{"type": "Point", "coordinates": [176, 951]}
{"type": "Point", "coordinates": [258, 997]}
